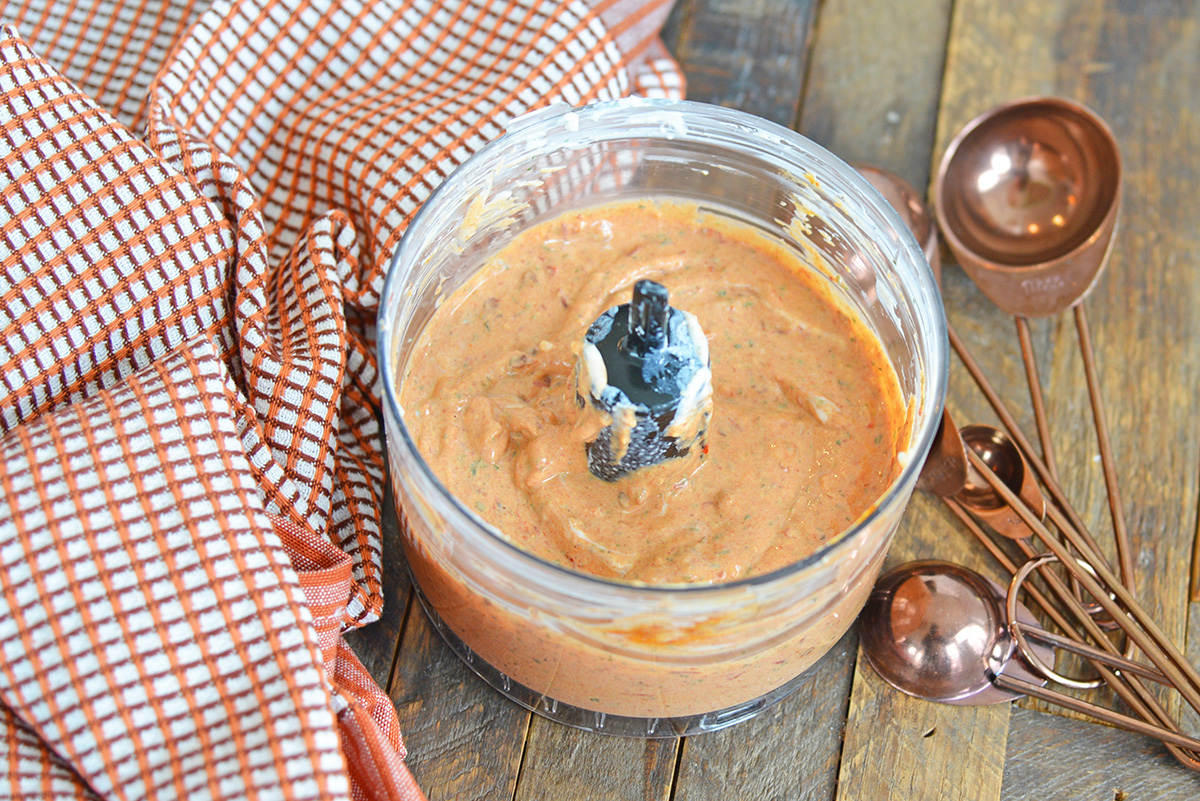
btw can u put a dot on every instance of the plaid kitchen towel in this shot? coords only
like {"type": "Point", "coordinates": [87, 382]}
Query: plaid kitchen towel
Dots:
{"type": "Point", "coordinates": [199, 203]}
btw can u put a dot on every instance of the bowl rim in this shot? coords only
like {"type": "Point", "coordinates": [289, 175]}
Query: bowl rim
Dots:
{"type": "Point", "coordinates": [743, 122]}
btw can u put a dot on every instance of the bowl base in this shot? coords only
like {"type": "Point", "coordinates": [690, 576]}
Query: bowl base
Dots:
{"type": "Point", "coordinates": [601, 722]}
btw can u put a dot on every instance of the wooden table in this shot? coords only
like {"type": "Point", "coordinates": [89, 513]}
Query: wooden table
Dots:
{"type": "Point", "coordinates": [888, 83]}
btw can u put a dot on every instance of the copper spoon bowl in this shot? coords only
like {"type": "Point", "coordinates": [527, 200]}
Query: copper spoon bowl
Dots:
{"type": "Point", "coordinates": [1002, 456]}
{"type": "Point", "coordinates": [938, 631]}
{"type": "Point", "coordinates": [1027, 197]}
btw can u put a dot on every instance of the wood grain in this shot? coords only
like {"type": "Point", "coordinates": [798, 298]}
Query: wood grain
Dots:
{"type": "Point", "coordinates": [465, 740]}
{"type": "Point", "coordinates": [745, 54]}
{"type": "Point", "coordinates": [899, 747]}
{"type": "Point", "coordinates": [788, 752]}
{"type": "Point", "coordinates": [1050, 756]}
{"type": "Point", "coordinates": [874, 79]}
{"type": "Point", "coordinates": [376, 643]}
{"type": "Point", "coordinates": [565, 763]}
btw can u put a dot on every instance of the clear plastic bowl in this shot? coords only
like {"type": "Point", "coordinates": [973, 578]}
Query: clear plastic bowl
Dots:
{"type": "Point", "coordinates": [614, 657]}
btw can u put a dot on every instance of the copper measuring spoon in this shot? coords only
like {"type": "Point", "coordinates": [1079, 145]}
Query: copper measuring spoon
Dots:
{"type": "Point", "coordinates": [997, 450]}
{"type": "Point", "coordinates": [916, 215]}
{"type": "Point", "coordinates": [941, 632]}
{"type": "Point", "coordinates": [1027, 197]}
{"type": "Point", "coordinates": [935, 631]}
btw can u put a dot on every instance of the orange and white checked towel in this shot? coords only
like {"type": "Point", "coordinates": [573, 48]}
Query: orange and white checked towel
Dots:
{"type": "Point", "coordinates": [197, 208]}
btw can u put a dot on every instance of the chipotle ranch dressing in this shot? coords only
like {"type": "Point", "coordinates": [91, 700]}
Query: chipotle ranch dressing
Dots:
{"type": "Point", "coordinates": [807, 413]}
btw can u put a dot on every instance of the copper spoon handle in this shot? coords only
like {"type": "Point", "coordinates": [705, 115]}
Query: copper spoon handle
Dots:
{"type": "Point", "coordinates": [1014, 430]}
{"type": "Point", "coordinates": [1087, 651]}
{"type": "Point", "coordinates": [1108, 462]}
{"type": "Point", "coordinates": [1121, 606]}
{"type": "Point", "coordinates": [1098, 712]}
{"type": "Point", "coordinates": [1130, 689]}
{"type": "Point", "coordinates": [1035, 393]}
{"type": "Point", "coordinates": [1038, 402]}
{"type": "Point", "coordinates": [1124, 551]}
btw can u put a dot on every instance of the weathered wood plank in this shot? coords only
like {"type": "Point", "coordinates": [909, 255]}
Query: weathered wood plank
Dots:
{"type": "Point", "coordinates": [465, 740]}
{"type": "Point", "coordinates": [899, 747]}
{"type": "Point", "coordinates": [568, 764]}
{"type": "Point", "coordinates": [789, 752]}
{"type": "Point", "coordinates": [1050, 756]}
{"type": "Point", "coordinates": [874, 80]}
{"type": "Point", "coordinates": [746, 54]}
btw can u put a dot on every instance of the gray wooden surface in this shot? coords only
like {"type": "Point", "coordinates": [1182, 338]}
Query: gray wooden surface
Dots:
{"type": "Point", "coordinates": [889, 83]}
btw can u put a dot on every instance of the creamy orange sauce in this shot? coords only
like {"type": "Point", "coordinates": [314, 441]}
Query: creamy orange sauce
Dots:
{"type": "Point", "coordinates": [807, 412]}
